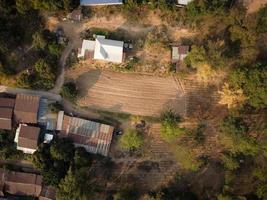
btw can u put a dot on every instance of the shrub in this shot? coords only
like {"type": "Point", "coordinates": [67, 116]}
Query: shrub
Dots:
{"type": "Point", "coordinates": [131, 140]}
{"type": "Point", "coordinates": [187, 158]}
{"type": "Point", "coordinates": [169, 130]}
{"type": "Point", "coordinates": [229, 162]}
{"type": "Point", "coordinates": [69, 91]}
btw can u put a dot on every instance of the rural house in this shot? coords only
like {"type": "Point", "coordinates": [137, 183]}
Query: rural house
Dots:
{"type": "Point", "coordinates": [100, 2]}
{"type": "Point", "coordinates": [102, 49]}
{"type": "Point", "coordinates": [21, 184]}
{"type": "Point", "coordinates": [6, 113]}
{"type": "Point", "coordinates": [27, 138]}
{"type": "Point", "coordinates": [179, 52]}
{"type": "Point", "coordinates": [94, 137]}
{"type": "Point", "coordinates": [26, 108]}
{"type": "Point", "coordinates": [183, 2]}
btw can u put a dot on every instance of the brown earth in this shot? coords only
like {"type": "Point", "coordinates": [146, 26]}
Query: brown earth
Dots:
{"type": "Point", "coordinates": [254, 5]}
{"type": "Point", "coordinates": [130, 93]}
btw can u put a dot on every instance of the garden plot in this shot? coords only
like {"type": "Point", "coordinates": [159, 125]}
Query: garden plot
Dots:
{"type": "Point", "coordinates": [129, 93]}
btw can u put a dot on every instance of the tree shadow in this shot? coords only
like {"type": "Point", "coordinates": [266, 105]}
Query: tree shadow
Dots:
{"type": "Point", "coordinates": [86, 81]}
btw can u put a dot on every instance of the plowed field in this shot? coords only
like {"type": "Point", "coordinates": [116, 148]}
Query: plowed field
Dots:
{"type": "Point", "coordinates": [130, 93]}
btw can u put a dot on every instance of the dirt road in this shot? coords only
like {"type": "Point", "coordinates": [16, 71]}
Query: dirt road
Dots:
{"type": "Point", "coordinates": [130, 93]}
{"type": "Point", "coordinates": [62, 62]}
{"type": "Point", "coordinates": [48, 95]}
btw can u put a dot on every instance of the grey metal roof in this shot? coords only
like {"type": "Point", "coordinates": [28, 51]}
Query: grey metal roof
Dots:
{"type": "Point", "coordinates": [100, 2]}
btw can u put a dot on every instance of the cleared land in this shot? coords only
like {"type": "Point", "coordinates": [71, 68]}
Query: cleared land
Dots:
{"type": "Point", "coordinates": [130, 93]}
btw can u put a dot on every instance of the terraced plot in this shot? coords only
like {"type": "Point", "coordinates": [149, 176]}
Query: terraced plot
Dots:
{"type": "Point", "coordinates": [130, 93]}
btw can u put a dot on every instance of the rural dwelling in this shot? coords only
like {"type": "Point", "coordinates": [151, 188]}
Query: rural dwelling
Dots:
{"type": "Point", "coordinates": [183, 2]}
{"type": "Point", "coordinates": [93, 136]}
{"type": "Point", "coordinates": [21, 184]}
{"type": "Point", "coordinates": [6, 113]}
{"type": "Point", "coordinates": [102, 49]}
{"type": "Point", "coordinates": [100, 2]}
{"type": "Point", "coordinates": [179, 52]}
{"type": "Point", "coordinates": [26, 108]}
{"type": "Point", "coordinates": [47, 193]}
{"type": "Point", "coordinates": [27, 138]}
{"type": "Point", "coordinates": [75, 15]}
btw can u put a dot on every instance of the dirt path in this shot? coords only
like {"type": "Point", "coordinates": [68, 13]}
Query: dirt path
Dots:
{"type": "Point", "coordinates": [45, 94]}
{"type": "Point", "coordinates": [62, 63]}
{"type": "Point", "coordinates": [130, 93]}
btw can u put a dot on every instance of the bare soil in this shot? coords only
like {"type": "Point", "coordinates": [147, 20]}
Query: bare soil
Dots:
{"type": "Point", "coordinates": [254, 5]}
{"type": "Point", "coordinates": [128, 93]}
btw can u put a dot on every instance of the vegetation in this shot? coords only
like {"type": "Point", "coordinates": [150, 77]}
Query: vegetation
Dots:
{"type": "Point", "coordinates": [76, 185]}
{"type": "Point", "coordinates": [69, 91]}
{"type": "Point", "coordinates": [25, 38]}
{"type": "Point", "coordinates": [131, 140]}
{"type": "Point", "coordinates": [130, 193]}
{"type": "Point", "coordinates": [7, 146]}
{"type": "Point", "coordinates": [169, 129]}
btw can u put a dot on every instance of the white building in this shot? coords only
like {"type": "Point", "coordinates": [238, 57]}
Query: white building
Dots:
{"type": "Point", "coordinates": [102, 49]}
{"type": "Point", "coordinates": [183, 2]}
{"type": "Point", "coordinates": [100, 2]}
{"type": "Point", "coordinates": [27, 138]}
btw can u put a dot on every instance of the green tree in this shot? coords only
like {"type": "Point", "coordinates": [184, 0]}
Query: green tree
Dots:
{"type": "Point", "coordinates": [131, 140]}
{"type": "Point", "coordinates": [253, 81]}
{"type": "Point", "coordinates": [62, 149]}
{"type": "Point", "coordinates": [81, 158]}
{"type": "Point", "coordinates": [76, 185]}
{"type": "Point", "coordinates": [234, 136]}
{"type": "Point", "coordinates": [53, 160]}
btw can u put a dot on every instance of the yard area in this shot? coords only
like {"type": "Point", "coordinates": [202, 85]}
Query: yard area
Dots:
{"type": "Point", "coordinates": [128, 93]}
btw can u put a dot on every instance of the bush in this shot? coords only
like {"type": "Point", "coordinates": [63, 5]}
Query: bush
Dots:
{"type": "Point", "coordinates": [169, 130]}
{"type": "Point", "coordinates": [69, 91]}
{"type": "Point", "coordinates": [131, 140]}
{"type": "Point", "coordinates": [187, 158]}
{"type": "Point", "coordinates": [229, 162]}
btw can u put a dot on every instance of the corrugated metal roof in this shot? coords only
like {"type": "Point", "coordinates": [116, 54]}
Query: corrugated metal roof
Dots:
{"type": "Point", "coordinates": [95, 137]}
{"type": "Point", "coordinates": [100, 2]}
{"type": "Point", "coordinates": [26, 108]}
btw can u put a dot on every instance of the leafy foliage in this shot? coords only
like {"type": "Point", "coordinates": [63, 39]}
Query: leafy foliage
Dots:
{"type": "Point", "coordinates": [253, 82]}
{"type": "Point", "coordinates": [235, 138]}
{"type": "Point", "coordinates": [53, 160]}
{"type": "Point", "coordinates": [76, 185]}
{"type": "Point", "coordinates": [131, 140]}
{"type": "Point", "coordinates": [7, 147]}
{"type": "Point", "coordinates": [69, 91]}
{"type": "Point", "coordinates": [169, 129]}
